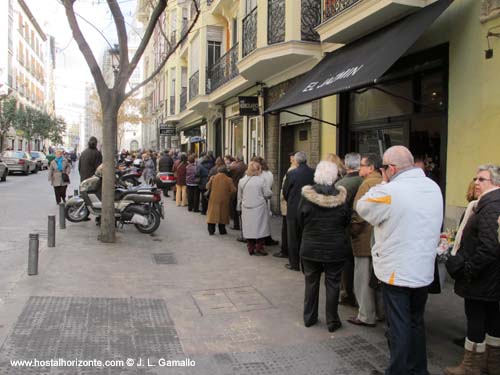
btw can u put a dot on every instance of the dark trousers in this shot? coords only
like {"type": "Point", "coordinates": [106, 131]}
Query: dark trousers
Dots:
{"type": "Point", "coordinates": [348, 278]}
{"type": "Point", "coordinates": [293, 242]}
{"type": "Point", "coordinates": [222, 228]}
{"type": "Point", "coordinates": [404, 310]}
{"type": "Point", "coordinates": [60, 193]}
{"type": "Point", "coordinates": [312, 273]}
{"type": "Point", "coordinates": [483, 317]}
{"type": "Point", "coordinates": [204, 202]}
{"type": "Point", "coordinates": [284, 237]}
{"type": "Point", "coordinates": [193, 193]}
{"type": "Point", "coordinates": [235, 214]}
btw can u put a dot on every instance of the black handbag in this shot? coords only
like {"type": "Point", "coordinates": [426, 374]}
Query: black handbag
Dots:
{"type": "Point", "coordinates": [455, 266]}
{"type": "Point", "coordinates": [65, 177]}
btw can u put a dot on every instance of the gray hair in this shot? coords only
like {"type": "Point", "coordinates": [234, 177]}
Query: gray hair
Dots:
{"type": "Point", "coordinates": [399, 156]}
{"type": "Point", "coordinates": [326, 173]}
{"type": "Point", "coordinates": [300, 157]}
{"type": "Point", "coordinates": [494, 172]}
{"type": "Point", "coordinates": [352, 161]}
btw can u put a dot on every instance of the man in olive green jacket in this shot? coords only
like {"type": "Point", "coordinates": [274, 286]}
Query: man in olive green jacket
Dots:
{"type": "Point", "coordinates": [361, 241]}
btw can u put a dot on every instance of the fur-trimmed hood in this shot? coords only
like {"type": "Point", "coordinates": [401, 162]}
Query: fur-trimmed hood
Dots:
{"type": "Point", "coordinates": [325, 200]}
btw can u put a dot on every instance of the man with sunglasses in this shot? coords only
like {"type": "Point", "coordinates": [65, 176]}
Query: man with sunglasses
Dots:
{"type": "Point", "coordinates": [406, 212]}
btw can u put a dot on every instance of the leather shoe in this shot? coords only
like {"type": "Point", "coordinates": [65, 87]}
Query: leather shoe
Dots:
{"type": "Point", "coordinates": [241, 239]}
{"type": "Point", "coordinates": [235, 228]}
{"type": "Point", "coordinates": [290, 267]}
{"type": "Point", "coordinates": [280, 255]}
{"type": "Point", "coordinates": [334, 326]}
{"type": "Point", "coordinates": [358, 322]}
{"type": "Point", "coordinates": [310, 324]}
{"type": "Point", "coordinates": [271, 242]}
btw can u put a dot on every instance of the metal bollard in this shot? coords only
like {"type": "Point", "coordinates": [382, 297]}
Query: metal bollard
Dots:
{"type": "Point", "coordinates": [33, 255]}
{"type": "Point", "coordinates": [51, 241]}
{"type": "Point", "coordinates": [62, 216]}
{"type": "Point", "coordinates": [75, 192]}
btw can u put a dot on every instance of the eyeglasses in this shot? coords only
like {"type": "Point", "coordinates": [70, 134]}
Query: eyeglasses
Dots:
{"type": "Point", "coordinates": [481, 179]}
{"type": "Point", "coordinates": [385, 166]}
{"type": "Point", "coordinates": [364, 165]}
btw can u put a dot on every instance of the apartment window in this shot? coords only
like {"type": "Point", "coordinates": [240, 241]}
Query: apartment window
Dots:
{"type": "Point", "coordinates": [250, 5]}
{"type": "Point", "coordinates": [213, 53]}
{"type": "Point", "coordinates": [235, 32]}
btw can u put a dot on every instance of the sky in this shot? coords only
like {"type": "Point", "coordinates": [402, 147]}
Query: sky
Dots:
{"type": "Point", "coordinates": [72, 71]}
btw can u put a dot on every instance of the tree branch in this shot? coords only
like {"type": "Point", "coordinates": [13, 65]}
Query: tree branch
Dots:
{"type": "Point", "coordinates": [84, 47]}
{"type": "Point", "coordinates": [162, 64]}
{"type": "Point", "coordinates": [121, 31]}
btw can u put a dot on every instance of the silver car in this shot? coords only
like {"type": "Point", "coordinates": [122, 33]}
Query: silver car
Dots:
{"type": "Point", "coordinates": [40, 159]}
{"type": "Point", "coordinates": [4, 170]}
{"type": "Point", "coordinates": [19, 161]}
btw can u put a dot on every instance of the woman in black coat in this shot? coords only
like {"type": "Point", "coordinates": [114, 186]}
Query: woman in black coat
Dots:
{"type": "Point", "coordinates": [478, 282]}
{"type": "Point", "coordinates": [323, 218]}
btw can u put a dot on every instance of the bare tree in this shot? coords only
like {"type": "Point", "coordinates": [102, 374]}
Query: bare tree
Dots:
{"type": "Point", "coordinates": [111, 98]}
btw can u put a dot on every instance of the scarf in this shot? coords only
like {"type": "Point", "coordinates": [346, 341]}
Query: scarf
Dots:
{"type": "Point", "coordinates": [59, 162]}
{"type": "Point", "coordinates": [458, 238]}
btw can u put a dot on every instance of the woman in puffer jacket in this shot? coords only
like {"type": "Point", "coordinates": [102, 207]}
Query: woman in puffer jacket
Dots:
{"type": "Point", "coordinates": [323, 218]}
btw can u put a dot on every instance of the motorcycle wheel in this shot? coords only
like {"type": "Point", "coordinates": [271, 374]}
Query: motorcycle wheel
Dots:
{"type": "Point", "coordinates": [73, 216]}
{"type": "Point", "coordinates": [154, 221]}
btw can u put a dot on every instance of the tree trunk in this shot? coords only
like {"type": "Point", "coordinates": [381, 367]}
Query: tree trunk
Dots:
{"type": "Point", "coordinates": [108, 180]}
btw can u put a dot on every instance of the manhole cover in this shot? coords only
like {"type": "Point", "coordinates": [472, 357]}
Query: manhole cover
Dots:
{"type": "Point", "coordinates": [164, 258]}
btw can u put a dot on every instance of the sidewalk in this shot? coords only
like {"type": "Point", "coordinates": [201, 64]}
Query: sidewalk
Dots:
{"type": "Point", "coordinates": [227, 311]}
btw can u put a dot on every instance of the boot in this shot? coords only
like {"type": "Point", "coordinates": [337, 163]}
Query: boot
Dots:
{"type": "Point", "coordinates": [471, 364]}
{"type": "Point", "coordinates": [251, 247]}
{"type": "Point", "coordinates": [259, 247]}
{"type": "Point", "coordinates": [491, 362]}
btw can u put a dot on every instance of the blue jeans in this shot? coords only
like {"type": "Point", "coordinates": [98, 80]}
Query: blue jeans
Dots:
{"type": "Point", "coordinates": [404, 309]}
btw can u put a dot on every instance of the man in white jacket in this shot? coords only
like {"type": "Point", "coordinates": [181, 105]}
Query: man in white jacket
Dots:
{"type": "Point", "coordinates": [406, 212]}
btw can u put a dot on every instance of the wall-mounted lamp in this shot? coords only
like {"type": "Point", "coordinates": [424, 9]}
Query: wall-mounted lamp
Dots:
{"type": "Point", "coordinates": [488, 54]}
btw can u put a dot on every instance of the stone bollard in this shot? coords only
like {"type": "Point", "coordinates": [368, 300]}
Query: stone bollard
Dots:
{"type": "Point", "coordinates": [33, 255]}
{"type": "Point", "coordinates": [62, 215]}
{"type": "Point", "coordinates": [51, 241]}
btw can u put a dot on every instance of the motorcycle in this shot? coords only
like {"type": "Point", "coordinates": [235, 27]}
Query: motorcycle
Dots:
{"type": "Point", "coordinates": [130, 172]}
{"type": "Point", "coordinates": [139, 205]}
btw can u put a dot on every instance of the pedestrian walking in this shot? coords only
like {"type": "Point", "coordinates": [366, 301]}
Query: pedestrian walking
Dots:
{"type": "Point", "coordinates": [283, 253]}
{"type": "Point", "coordinates": [476, 270]}
{"type": "Point", "coordinates": [253, 193]}
{"type": "Point", "coordinates": [180, 186]}
{"type": "Point", "coordinates": [323, 216]}
{"type": "Point", "coordinates": [351, 181]}
{"type": "Point", "coordinates": [192, 182]}
{"type": "Point", "coordinates": [221, 188]}
{"type": "Point", "coordinates": [90, 159]}
{"type": "Point", "coordinates": [361, 232]}
{"type": "Point", "coordinates": [406, 213]}
{"type": "Point", "coordinates": [59, 171]}
{"type": "Point", "coordinates": [296, 179]}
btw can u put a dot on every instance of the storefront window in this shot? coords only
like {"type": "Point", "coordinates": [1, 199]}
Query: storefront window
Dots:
{"type": "Point", "coordinates": [255, 136]}
{"type": "Point", "coordinates": [237, 141]}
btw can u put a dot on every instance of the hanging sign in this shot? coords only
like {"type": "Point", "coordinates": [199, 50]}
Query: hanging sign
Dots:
{"type": "Point", "coordinates": [249, 105]}
{"type": "Point", "coordinates": [167, 129]}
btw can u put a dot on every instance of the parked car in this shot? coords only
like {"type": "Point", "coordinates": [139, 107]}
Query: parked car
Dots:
{"type": "Point", "coordinates": [41, 160]}
{"type": "Point", "coordinates": [19, 161]}
{"type": "Point", "coordinates": [4, 170]}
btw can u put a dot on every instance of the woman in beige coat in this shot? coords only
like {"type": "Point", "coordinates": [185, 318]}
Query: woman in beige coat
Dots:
{"type": "Point", "coordinates": [221, 188]}
{"type": "Point", "coordinates": [57, 167]}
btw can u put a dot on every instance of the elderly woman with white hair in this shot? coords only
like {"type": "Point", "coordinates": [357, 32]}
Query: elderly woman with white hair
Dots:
{"type": "Point", "coordinates": [323, 218]}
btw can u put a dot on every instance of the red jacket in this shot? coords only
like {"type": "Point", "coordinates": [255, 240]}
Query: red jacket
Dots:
{"type": "Point", "coordinates": [180, 172]}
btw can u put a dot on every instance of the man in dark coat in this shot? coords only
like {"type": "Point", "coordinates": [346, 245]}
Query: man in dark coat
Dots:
{"type": "Point", "coordinates": [296, 179]}
{"type": "Point", "coordinates": [90, 159]}
{"type": "Point", "coordinates": [237, 170]}
{"type": "Point", "coordinates": [166, 163]}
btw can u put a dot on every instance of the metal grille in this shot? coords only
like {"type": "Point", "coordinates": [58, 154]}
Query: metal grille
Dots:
{"type": "Point", "coordinates": [332, 8]}
{"type": "Point", "coordinates": [164, 258]}
{"type": "Point", "coordinates": [224, 69]}
{"type": "Point", "coordinates": [310, 18]}
{"type": "Point", "coordinates": [275, 21]}
{"type": "Point", "coordinates": [194, 85]}
{"type": "Point", "coordinates": [250, 32]}
{"type": "Point", "coordinates": [183, 98]}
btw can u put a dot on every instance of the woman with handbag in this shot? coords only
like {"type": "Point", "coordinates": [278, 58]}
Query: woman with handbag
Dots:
{"type": "Point", "coordinates": [59, 171]}
{"type": "Point", "coordinates": [476, 270]}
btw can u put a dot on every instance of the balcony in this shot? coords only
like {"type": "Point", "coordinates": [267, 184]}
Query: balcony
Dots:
{"type": "Point", "coordinates": [250, 32]}
{"type": "Point", "coordinates": [183, 99]}
{"type": "Point", "coordinates": [347, 20]}
{"type": "Point", "coordinates": [275, 21]}
{"type": "Point", "coordinates": [172, 105]}
{"type": "Point", "coordinates": [194, 85]}
{"type": "Point", "coordinates": [310, 19]}
{"type": "Point", "coordinates": [224, 69]}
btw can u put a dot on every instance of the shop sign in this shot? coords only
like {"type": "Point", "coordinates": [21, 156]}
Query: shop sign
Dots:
{"type": "Point", "coordinates": [196, 139]}
{"type": "Point", "coordinates": [167, 129]}
{"type": "Point", "coordinates": [249, 105]}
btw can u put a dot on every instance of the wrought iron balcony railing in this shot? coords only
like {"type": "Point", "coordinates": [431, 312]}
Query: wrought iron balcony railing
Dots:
{"type": "Point", "coordinates": [194, 85]}
{"type": "Point", "coordinates": [172, 105]}
{"type": "Point", "coordinates": [275, 21]}
{"type": "Point", "coordinates": [250, 32]}
{"type": "Point", "coordinates": [332, 8]}
{"type": "Point", "coordinates": [224, 69]}
{"type": "Point", "coordinates": [183, 99]}
{"type": "Point", "coordinates": [310, 18]}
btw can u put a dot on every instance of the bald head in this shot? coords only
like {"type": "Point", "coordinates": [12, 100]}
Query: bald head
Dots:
{"type": "Point", "coordinates": [399, 156]}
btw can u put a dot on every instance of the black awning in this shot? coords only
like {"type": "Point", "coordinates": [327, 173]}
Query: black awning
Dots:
{"type": "Point", "coordinates": [362, 62]}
